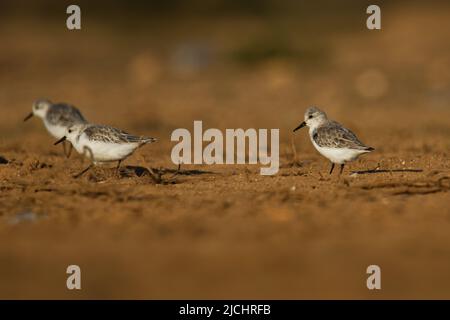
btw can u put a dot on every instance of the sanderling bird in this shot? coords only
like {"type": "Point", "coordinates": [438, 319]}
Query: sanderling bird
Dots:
{"type": "Point", "coordinates": [103, 143]}
{"type": "Point", "coordinates": [335, 142]}
{"type": "Point", "coordinates": [57, 118]}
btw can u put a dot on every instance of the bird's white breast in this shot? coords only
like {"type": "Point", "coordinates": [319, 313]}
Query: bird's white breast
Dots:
{"type": "Point", "coordinates": [56, 131]}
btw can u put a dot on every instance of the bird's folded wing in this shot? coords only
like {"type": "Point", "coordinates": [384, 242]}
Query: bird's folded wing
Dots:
{"type": "Point", "coordinates": [104, 134]}
{"type": "Point", "coordinates": [65, 114]}
{"type": "Point", "coordinates": [111, 134]}
{"type": "Point", "coordinates": [333, 135]}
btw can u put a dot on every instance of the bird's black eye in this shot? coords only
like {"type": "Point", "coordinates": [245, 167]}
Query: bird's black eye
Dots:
{"type": "Point", "coordinates": [70, 131]}
{"type": "Point", "coordinates": [310, 116]}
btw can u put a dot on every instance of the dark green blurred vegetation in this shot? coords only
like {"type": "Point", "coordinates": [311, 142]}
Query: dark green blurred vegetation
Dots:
{"type": "Point", "coordinates": [294, 30]}
{"type": "Point", "coordinates": [283, 21]}
{"type": "Point", "coordinates": [275, 47]}
{"type": "Point", "coordinates": [183, 7]}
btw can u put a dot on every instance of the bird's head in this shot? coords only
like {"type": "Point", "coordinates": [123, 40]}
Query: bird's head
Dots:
{"type": "Point", "coordinates": [40, 108]}
{"type": "Point", "coordinates": [313, 118]}
{"type": "Point", "coordinates": [71, 133]}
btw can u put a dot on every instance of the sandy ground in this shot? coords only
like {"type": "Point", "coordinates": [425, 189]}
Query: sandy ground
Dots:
{"type": "Point", "coordinates": [226, 231]}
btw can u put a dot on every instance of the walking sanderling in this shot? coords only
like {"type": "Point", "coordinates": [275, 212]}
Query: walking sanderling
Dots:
{"type": "Point", "coordinates": [102, 143]}
{"type": "Point", "coordinates": [57, 118]}
{"type": "Point", "coordinates": [331, 139]}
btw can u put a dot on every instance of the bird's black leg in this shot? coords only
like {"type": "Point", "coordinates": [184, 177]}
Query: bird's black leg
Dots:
{"type": "Point", "coordinates": [64, 148]}
{"type": "Point", "coordinates": [332, 168]}
{"type": "Point", "coordinates": [342, 168]}
{"type": "Point", "coordinates": [86, 149]}
{"type": "Point", "coordinates": [67, 153]}
{"type": "Point", "coordinates": [118, 168]}
{"type": "Point", "coordinates": [84, 171]}
{"type": "Point", "coordinates": [70, 150]}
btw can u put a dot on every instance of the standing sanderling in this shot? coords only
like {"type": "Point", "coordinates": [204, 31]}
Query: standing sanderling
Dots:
{"type": "Point", "coordinates": [57, 117]}
{"type": "Point", "coordinates": [331, 139]}
{"type": "Point", "coordinates": [103, 143]}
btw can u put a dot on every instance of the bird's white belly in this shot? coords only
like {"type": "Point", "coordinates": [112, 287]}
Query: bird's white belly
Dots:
{"type": "Point", "coordinates": [338, 155]}
{"type": "Point", "coordinates": [105, 151]}
{"type": "Point", "coordinates": [56, 131]}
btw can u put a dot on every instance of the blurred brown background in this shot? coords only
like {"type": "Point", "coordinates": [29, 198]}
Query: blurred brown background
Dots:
{"type": "Point", "coordinates": [151, 67]}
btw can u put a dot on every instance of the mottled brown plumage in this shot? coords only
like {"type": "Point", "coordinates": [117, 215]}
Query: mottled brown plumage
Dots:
{"type": "Point", "coordinates": [334, 135]}
{"type": "Point", "coordinates": [110, 134]}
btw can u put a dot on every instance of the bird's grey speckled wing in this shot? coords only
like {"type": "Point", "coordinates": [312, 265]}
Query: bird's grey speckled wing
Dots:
{"type": "Point", "coordinates": [64, 115]}
{"type": "Point", "coordinates": [334, 135]}
{"type": "Point", "coordinates": [112, 135]}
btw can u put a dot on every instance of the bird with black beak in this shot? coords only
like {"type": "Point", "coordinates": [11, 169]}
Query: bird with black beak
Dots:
{"type": "Point", "coordinates": [57, 118]}
{"type": "Point", "coordinates": [335, 142]}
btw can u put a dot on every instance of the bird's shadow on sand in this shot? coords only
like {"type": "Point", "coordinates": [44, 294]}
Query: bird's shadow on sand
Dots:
{"type": "Point", "coordinates": [372, 171]}
{"type": "Point", "coordinates": [160, 175]}
{"type": "Point", "coordinates": [140, 171]}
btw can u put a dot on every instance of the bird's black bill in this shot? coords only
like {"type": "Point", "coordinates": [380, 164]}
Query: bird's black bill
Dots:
{"type": "Point", "coordinates": [300, 126]}
{"type": "Point", "coordinates": [28, 116]}
{"type": "Point", "coordinates": [60, 140]}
